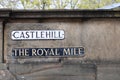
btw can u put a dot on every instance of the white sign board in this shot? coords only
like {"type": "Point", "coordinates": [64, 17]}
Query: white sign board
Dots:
{"type": "Point", "coordinates": [37, 34]}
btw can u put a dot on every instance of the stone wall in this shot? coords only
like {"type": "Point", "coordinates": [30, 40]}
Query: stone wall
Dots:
{"type": "Point", "coordinates": [98, 36]}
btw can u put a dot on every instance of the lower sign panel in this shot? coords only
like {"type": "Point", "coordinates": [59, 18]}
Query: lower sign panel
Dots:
{"type": "Point", "coordinates": [47, 52]}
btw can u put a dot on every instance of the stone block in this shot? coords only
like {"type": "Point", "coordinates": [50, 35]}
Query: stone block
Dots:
{"type": "Point", "coordinates": [99, 37]}
{"type": "Point", "coordinates": [6, 75]}
{"type": "Point", "coordinates": [54, 71]}
{"type": "Point", "coordinates": [108, 72]}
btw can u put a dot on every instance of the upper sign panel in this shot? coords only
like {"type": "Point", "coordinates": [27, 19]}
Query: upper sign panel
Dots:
{"type": "Point", "coordinates": [37, 34]}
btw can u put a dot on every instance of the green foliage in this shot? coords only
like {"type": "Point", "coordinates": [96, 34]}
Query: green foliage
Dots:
{"type": "Point", "coordinates": [35, 4]}
{"type": "Point", "coordinates": [55, 4]}
{"type": "Point", "coordinates": [60, 4]}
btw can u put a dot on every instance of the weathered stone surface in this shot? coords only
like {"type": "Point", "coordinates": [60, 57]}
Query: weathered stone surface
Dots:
{"type": "Point", "coordinates": [99, 37]}
{"type": "Point", "coordinates": [6, 75]}
{"type": "Point", "coordinates": [108, 72]}
{"type": "Point", "coordinates": [1, 41]}
{"type": "Point", "coordinates": [3, 66]}
{"type": "Point", "coordinates": [64, 13]}
{"type": "Point", "coordinates": [54, 71]}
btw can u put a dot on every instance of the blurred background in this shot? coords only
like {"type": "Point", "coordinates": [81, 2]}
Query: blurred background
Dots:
{"type": "Point", "coordinates": [59, 4]}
